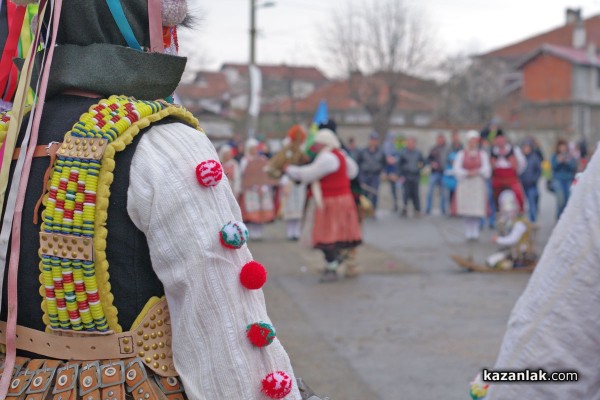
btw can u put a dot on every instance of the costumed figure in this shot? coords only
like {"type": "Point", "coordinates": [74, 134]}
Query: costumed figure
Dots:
{"type": "Point", "coordinates": [293, 194]}
{"type": "Point", "coordinates": [331, 220]}
{"type": "Point", "coordinates": [555, 323]}
{"type": "Point", "coordinates": [515, 236]}
{"type": "Point", "coordinates": [231, 169]}
{"type": "Point", "coordinates": [257, 200]}
{"type": "Point", "coordinates": [471, 168]}
{"type": "Point", "coordinates": [508, 162]}
{"type": "Point", "coordinates": [146, 285]}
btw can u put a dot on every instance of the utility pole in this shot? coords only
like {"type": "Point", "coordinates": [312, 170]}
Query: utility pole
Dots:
{"type": "Point", "coordinates": [252, 31]}
{"type": "Point", "coordinates": [253, 73]}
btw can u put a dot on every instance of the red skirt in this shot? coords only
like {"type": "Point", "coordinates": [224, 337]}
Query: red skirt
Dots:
{"type": "Point", "coordinates": [336, 223]}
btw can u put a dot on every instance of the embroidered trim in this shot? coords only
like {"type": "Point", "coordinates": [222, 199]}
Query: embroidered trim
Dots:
{"type": "Point", "coordinates": [76, 292]}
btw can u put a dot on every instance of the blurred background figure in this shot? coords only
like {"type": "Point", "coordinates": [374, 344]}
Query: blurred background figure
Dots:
{"type": "Point", "coordinates": [332, 217]}
{"type": "Point", "coordinates": [449, 179]}
{"type": "Point", "coordinates": [564, 168]}
{"type": "Point", "coordinates": [508, 162]}
{"type": "Point", "coordinates": [488, 134]}
{"type": "Point", "coordinates": [231, 169]}
{"type": "Point", "coordinates": [410, 164]}
{"type": "Point", "coordinates": [437, 163]}
{"type": "Point", "coordinates": [371, 163]}
{"type": "Point", "coordinates": [257, 202]}
{"type": "Point", "coordinates": [530, 177]}
{"type": "Point", "coordinates": [515, 236]}
{"type": "Point", "coordinates": [352, 149]}
{"type": "Point", "coordinates": [293, 194]}
{"type": "Point", "coordinates": [392, 171]}
{"type": "Point", "coordinates": [472, 169]}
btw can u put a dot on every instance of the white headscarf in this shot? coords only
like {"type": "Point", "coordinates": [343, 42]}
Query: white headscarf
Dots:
{"type": "Point", "coordinates": [327, 138]}
{"type": "Point", "coordinates": [251, 143]}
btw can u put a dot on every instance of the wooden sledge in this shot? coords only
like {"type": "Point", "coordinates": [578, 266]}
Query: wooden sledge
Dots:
{"type": "Point", "coordinates": [472, 266]}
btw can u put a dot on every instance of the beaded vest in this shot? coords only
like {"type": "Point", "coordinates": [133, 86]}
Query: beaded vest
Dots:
{"type": "Point", "coordinates": [77, 296]}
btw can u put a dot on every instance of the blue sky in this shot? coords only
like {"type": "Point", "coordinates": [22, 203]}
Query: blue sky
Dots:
{"type": "Point", "coordinates": [289, 31]}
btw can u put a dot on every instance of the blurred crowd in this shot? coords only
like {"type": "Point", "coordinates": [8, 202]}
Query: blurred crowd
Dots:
{"type": "Point", "coordinates": [481, 177]}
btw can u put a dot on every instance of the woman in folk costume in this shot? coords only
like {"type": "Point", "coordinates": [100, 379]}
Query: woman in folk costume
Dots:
{"type": "Point", "coordinates": [145, 281]}
{"type": "Point", "coordinates": [555, 323]}
{"type": "Point", "coordinates": [471, 168]}
{"type": "Point", "coordinates": [293, 194]}
{"type": "Point", "coordinates": [257, 202]}
{"type": "Point", "coordinates": [508, 163]}
{"type": "Point", "coordinates": [332, 212]}
{"type": "Point", "coordinates": [231, 169]}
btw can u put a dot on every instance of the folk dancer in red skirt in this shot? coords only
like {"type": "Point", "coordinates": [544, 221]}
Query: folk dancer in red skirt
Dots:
{"type": "Point", "coordinates": [508, 162]}
{"type": "Point", "coordinates": [332, 217]}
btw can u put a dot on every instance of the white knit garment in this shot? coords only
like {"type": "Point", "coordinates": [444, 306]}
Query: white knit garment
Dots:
{"type": "Point", "coordinates": [209, 307]}
{"type": "Point", "coordinates": [555, 325]}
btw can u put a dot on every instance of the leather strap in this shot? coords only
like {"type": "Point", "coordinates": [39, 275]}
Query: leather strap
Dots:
{"type": "Point", "coordinates": [89, 380]}
{"type": "Point", "coordinates": [50, 151]}
{"type": "Point", "coordinates": [40, 151]}
{"type": "Point", "coordinates": [66, 382]}
{"type": "Point", "coordinates": [171, 387]}
{"type": "Point", "coordinates": [19, 364]}
{"type": "Point", "coordinates": [137, 382]}
{"type": "Point", "coordinates": [150, 340]}
{"type": "Point", "coordinates": [65, 347]}
{"type": "Point", "coordinates": [112, 380]}
{"type": "Point", "coordinates": [42, 381]}
{"type": "Point", "coordinates": [21, 381]}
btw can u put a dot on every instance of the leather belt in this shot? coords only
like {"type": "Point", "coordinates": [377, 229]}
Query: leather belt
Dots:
{"type": "Point", "coordinates": [150, 341]}
{"type": "Point", "coordinates": [40, 151]}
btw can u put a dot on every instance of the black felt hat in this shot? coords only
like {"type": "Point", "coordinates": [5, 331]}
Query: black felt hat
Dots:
{"type": "Point", "coordinates": [93, 56]}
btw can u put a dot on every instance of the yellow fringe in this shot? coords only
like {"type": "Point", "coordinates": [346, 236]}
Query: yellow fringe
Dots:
{"type": "Point", "coordinates": [151, 303]}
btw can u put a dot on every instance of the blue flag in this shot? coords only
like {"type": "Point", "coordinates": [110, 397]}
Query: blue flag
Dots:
{"type": "Point", "coordinates": [321, 115]}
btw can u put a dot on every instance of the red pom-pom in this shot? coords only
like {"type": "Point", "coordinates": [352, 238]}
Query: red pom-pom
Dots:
{"type": "Point", "coordinates": [209, 173]}
{"type": "Point", "coordinates": [260, 334]}
{"type": "Point", "coordinates": [253, 275]}
{"type": "Point", "coordinates": [277, 385]}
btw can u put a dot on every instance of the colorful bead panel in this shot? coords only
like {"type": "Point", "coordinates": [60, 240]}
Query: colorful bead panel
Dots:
{"type": "Point", "coordinates": [70, 285]}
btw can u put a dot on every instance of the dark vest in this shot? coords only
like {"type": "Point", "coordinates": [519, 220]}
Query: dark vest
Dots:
{"type": "Point", "coordinates": [132, 278]}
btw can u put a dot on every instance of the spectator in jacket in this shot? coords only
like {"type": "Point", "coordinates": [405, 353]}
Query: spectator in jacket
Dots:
{"type": "Point", "coordinates": [530, 177]}
{"type": "Point", "coordinates": [564, 167]}
{"type": "Point", "coordinates": [437, 163]}
{"type": "Point", "coordinates": [411, 163]}
{"type": "Point", "coordinates": [371, 162]}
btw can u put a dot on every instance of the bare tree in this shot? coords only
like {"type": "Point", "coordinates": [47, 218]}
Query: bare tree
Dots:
{"type": "Point", "coordinates": [473, 89]}
{"type": "Point", "coordinates": [376, 43]}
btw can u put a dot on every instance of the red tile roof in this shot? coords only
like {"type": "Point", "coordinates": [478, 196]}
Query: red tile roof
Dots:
{"type": "Point", "coordinates": [561, 36]}
{"type": "Point", "coordinates": [339, 98]}
{"type": "Point", "coordinates": [207, 85]}
{"type": "Point", "coordinates": [282, 71]}
{"type": "Point", "coordinates": [575, 56]}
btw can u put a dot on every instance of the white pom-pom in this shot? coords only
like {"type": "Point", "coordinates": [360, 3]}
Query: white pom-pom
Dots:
{"type": "Point", "coordinates": [173, 12]}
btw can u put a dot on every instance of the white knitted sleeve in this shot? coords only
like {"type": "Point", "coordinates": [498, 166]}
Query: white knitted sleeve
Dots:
{"type": "Point", "coordinates": [555, 324]}
{"type": "Point", "coordinates": [209, 307]}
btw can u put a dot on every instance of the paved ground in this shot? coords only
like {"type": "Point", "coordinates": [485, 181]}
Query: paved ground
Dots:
{"type": "Point", "coordinates": [413, 326]}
